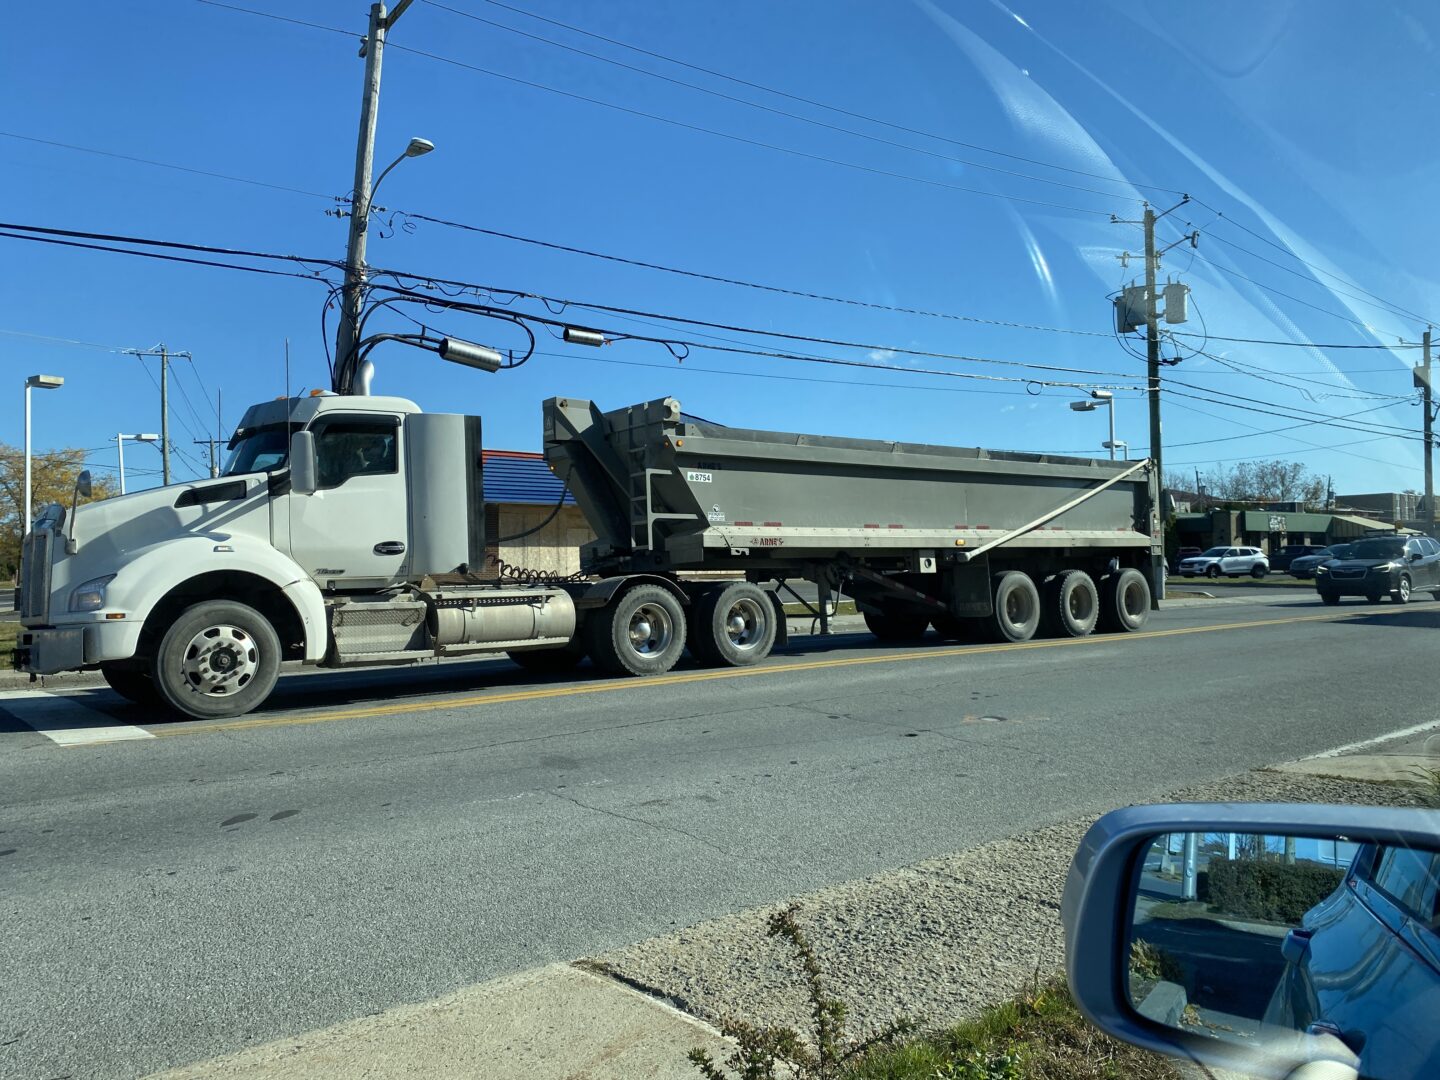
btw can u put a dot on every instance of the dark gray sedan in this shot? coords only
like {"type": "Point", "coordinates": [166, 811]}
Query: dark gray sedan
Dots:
{"type": "Point", "coordinates": [1304, 566]}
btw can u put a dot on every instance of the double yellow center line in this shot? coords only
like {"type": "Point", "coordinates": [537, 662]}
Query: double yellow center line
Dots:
{"type": "Point", "coordinates": [656, 682]}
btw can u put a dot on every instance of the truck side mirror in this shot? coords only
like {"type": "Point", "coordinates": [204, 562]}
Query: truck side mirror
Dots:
{"type": "Point", "coordinates": [302, 463]}
{"type": "Point", "coordinates": [84, 487]}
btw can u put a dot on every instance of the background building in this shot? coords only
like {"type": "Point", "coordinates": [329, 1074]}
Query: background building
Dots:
{"type": "Point", "coordinates": [521, 492]}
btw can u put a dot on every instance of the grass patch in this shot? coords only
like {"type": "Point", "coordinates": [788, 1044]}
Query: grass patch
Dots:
{"type": "Point", "coordinates": [1039, 1035]}
{"type": "Point", "coordinates": [8, 632]}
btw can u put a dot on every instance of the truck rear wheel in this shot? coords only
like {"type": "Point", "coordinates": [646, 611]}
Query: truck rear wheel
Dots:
{"type": "Point", "coordinates": [1124, 601]}
{"type": "Point", "coordinates": [897, 625]}
{"type": "Point", "coordinates": [642, 633]}
{"type": "Point", "coordinates": [1017, 608]}
{"type": "Point", "coordinates": [1072, 604]}
{"type": "Point", "coordinates": [133, 684]}
{"type": "Point", "coordinates": [218, 659]}
{"type": "Point", "coordinates": [732, 625]}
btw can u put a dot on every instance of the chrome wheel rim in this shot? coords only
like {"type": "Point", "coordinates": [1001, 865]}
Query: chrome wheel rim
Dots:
{"type": "Point", "coordinates": [745, 623]}
{"type": "Point", "coordinates": [1404, 589]}
{"type": "Point", "coordinates": [220, 661]}
{"type": "Point", "coordinates": [651, 630]}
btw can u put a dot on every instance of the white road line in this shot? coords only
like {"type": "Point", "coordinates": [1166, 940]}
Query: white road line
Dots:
{"type": "Point", "coordinates": [66, 719]}
{"type": "Point", "coordinates": [1365, 744]}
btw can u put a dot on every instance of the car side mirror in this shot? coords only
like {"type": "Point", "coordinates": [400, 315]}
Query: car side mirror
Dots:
{"type": "Point", "coordinates": [302, 463]}
{"type": "Point", "coordinates": [1188, 931]}
{"type": "Point", "coordinates": [1415, 556]}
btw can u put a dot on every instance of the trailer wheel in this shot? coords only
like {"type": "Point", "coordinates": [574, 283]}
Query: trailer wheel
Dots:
{"type": "Point", "coordinates": [1124, 601]}
{"type": "Point", "coordinates": [548, 661]}
{"type": "Point", "coordinates": [218, 659]}
{"type": "Point", "coordinates": [733, 625]}
{"type": "Point", "coordinates": [1017, 608]}
{"type": "Point", "coordinates": [954, 628]}
{"type": "Point", "coordinates": [1072, 604]}
{"type": "Point", "coordinates": [897, 625]}
{"type": "Point", "coordinates": [641, 633]}
{"type": "Point", "coordinates": [133, 684]}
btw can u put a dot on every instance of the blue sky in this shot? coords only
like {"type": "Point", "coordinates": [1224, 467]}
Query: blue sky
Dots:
{"type": "Point", "coordinates": [1310, 124]}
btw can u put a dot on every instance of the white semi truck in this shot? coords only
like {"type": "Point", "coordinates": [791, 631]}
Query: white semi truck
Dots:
{"type": "Point", "coordinates": [349, 530]}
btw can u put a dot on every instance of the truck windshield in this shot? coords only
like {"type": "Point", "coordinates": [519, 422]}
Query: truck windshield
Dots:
{"type": "Point", "coordinates": [260, 449]}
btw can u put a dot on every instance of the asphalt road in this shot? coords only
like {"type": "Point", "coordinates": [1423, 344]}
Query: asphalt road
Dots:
{"type": "Point", "coordinates": [383, 837]}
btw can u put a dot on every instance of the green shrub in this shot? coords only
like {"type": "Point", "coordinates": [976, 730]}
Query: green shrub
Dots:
{"type": "Point", "coordinates": [1268, 889]}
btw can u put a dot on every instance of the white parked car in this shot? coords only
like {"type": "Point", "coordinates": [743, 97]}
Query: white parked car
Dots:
{"type": "Point", "coordinates": [1230, 561]}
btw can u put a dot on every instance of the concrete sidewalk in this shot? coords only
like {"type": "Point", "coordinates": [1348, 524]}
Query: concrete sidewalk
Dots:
{"type": "Point", "coordinates": [553, 1023]}
{"type": "Point", "coordinates": [1398, 760]}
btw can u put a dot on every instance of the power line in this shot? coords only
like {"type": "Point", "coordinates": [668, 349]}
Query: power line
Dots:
{"type": "Point", "coordinates": [811, 101]}
{"type": "Point", "coordinates": [1298, 344]}
{"type": "Point", "coordinates": [1270, 288]}
{"type": "Point", "coordinates": [782, 112]}
{"type": "Point", "coordinates": [781, 290]}
{"type": "Point", "coordinates": [856, 166]}
{"type": "Point", "coordinates": [164, 164]}
{"type": "Point", "coordinates": [163, 258]}
{"type": "Point", "coordinates": [1221, 216]}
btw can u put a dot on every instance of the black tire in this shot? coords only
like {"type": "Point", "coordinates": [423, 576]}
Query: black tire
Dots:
{"type": "Point", "coordinates": [641, 633]}
{"type": "Point", "coordinates": [732, 625]}
{"type": "Point", "coordinates": [1212, 571]}
{"type": "Point", "coordinates": [897, 625]}
{"type": "Point", "coordinates": [1072, 604]}
{"type": "Point", "coordinates": [1259, 570]}
{"type": "Point", "coordinates": [1401, 594]}
{"type": "Point", "coordinates": [133, 684]}
{"type": "Point", "coordinates": [1329, 598]}
{"type": "Point", "coordinates": [218, 659]}
{"type": "Point", "coordinates": [954, 628]}
{"type": "Point", "coordinates": [1016, 616]}
{"type": "Point", "coordinates": [1373, 597]}
{"type": "Point", "coordinates": [1124, 601]}
{"type": "Point", "coordinates": [548, 661]}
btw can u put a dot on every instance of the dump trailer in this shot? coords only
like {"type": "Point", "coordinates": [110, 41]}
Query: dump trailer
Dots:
{"type": "Point", "coordinates": [349, 531]}
{"type": "Point", "coordinates": [976, 543]}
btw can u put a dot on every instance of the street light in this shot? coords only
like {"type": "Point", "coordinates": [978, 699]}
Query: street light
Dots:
{"type": "Point", "coordinates": [120, 446]}
{"type": "Point", "coordinates": [352, 296]}
{"type": "Point", "coordinates": [1106, 398]}
{"type": "Point", "coordinates": [44, 382]}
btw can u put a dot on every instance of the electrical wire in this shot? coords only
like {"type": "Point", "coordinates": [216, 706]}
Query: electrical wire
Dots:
{"type": "Point", "coordinates": [783, 112]}
{"type": "Point", "coordinates": [813, 102]}
{"type": "Point", "coordinates": [163, 258]}
{"type": "Point", "coordinates": [1221, 216]}
{"type": "Point", "coordinates": [673, 122]}
{"type": "Point", "coordinates": [720, 279]}
{"type": "Point", "coordinates": [162, 164]}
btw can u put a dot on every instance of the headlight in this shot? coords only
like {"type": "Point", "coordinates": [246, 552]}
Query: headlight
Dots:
{"type": "Point", "coordinates": [1385, 568]}
{"type": "Point", "coordinates": [91, 595]}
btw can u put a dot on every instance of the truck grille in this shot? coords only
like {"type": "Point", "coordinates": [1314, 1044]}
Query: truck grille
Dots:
{"type": "Point", "coordinates": [35, 575]}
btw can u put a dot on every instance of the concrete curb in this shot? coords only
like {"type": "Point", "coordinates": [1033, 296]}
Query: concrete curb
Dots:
{"type": "Point", "coordinates": [545, 1024]}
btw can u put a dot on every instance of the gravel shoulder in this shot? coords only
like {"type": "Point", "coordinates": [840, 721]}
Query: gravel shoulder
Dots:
{"type": "Point", "coordinates": [936, 941]}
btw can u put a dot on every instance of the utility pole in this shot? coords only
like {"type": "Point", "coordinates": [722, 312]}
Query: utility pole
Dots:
{"type": "Point", "coordinates": [165, 356]}
{"type": "Point", "coordinates": [1152, 354]}
{"type": "Point", "coordinates": [164, 417]}
{"type": "Point", "coordinates": [212, 444]}
{"type": "Point", "coordinates": [1422, 380]}
{"type": "Point", "coordinates": [353, 295]}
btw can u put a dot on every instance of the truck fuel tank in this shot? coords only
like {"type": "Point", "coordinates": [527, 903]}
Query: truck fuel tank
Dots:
{"type": "Point", "coordinates": [466, 617]}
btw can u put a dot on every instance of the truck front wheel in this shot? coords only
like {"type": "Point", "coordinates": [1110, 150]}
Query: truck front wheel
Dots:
{"type": "Point", "coordinates": [642, 633]}
{"type": "Point", "coordinates": [218, 659]}
{"type": "Point", "coordinates": [132, 684]}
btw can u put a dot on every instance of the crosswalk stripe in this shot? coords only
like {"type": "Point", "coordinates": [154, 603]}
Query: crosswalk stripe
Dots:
{"type": "Point", "coordinates": [66, 719]}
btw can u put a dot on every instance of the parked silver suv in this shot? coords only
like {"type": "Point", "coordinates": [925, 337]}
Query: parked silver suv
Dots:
{"type": "Point", "coordinates": [1230, 561]}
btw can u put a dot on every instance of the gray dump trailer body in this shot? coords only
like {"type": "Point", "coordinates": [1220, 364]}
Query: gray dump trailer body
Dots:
{"type": "Point", "coordinates": [669, 493]}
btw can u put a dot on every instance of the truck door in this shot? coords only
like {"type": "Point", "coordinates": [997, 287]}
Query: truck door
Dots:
{"type": "Point", "coordinates": [354, 529]}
